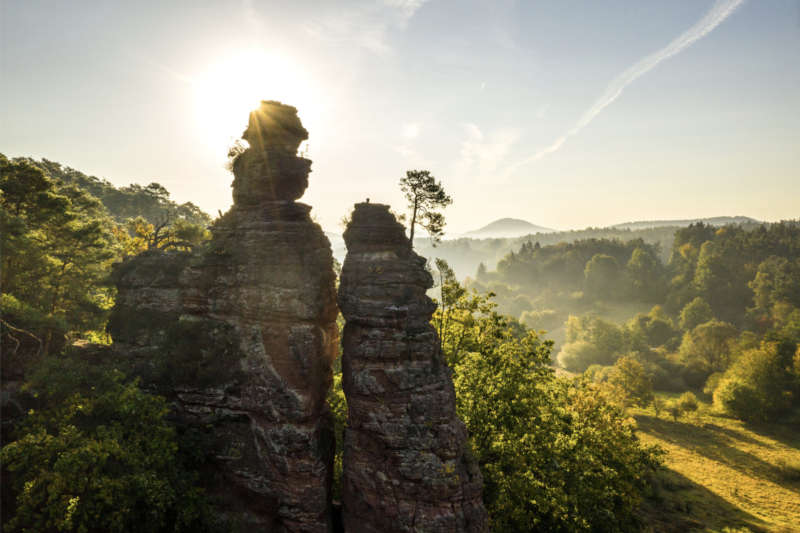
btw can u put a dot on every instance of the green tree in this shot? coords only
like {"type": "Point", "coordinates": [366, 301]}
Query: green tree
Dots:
{"type": "Point", "coordinates": [602, 277]}
{"type": "Point", "coordinates": [646, 274]}
{"type": "Point", "coordinates": [58, 244]}
{"type": "Point", "coordinates": [425, 198]}
{"type": "Point", "coordinates": [758, 386]}
{"type": "Point", "coordinates": [579, 355]}
{"type": "Point", "coordinates": [629, 378]}
{"type": "Point", "coordinates": [695, 313]}
{"type": "Point", "coordinates": [589, 340]}
{"type": "Point", "coordinates": [776, 281]}
{"type": "Point", "coordinates": [99, 455]}
{"type": "Point", "coordinates": [709, 345]}
{"type": "Point", "coordinates": [555, 456]}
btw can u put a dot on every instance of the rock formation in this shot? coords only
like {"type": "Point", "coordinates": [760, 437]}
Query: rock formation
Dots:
{"type": "Point", "coordinates": [405, 463]}
{"type": "Point", "coordinates": [242, 335]}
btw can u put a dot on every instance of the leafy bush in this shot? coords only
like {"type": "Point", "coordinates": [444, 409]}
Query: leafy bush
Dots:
{"type": "Point", "coordinates": [631, 382]}
{"type": "Point", "coordinates": [98, 455]}
{"type": "Point", "coordinates": [687, 402]}
{"type": "Point", "coordinates": [579, 355]}
{"type": "Point", "coordinates": [757, 387]}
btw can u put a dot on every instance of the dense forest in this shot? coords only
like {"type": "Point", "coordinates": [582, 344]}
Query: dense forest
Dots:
{"type": "Point", "coordinates": [722, 315]}
{"type": "Point", "coordinates": [697, 313]}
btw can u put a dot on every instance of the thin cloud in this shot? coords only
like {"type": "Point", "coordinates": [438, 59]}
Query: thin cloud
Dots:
{"type": "Point", "coordinates": [366, 24]}
{"type": "Point", "coordinates": [481, 154]}
{"type": "Point", "coordinates": [720, 11]}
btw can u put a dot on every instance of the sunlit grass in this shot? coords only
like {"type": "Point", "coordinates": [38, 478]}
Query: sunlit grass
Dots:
{"type": "Point", "coordinates": [724, 473]}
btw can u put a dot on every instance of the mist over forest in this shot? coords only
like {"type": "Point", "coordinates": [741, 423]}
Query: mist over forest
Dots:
{"type": "Point", "coordinates": [395, 266]}
{"type": "Point", "coordinates": [682, 327]}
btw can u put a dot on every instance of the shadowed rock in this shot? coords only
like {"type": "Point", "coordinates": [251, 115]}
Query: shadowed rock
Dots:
{"type": "Point", "coordinates": [405, 463]}
{"type": "Point", "coordinates": [242, 335]}
{"type": "Point", "coordinates": [269, 170]}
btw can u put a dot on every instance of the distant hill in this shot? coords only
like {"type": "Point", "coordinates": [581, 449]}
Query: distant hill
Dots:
{"type": "Point", "coordinates": [712, 221]}
{"type": "Point", "coordinates": [505, 228]}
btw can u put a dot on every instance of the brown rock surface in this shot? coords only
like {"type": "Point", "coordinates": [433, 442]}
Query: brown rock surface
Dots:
{"type": "Point", "coordinates": [405, 464]}
{"type": "Point", "coordinates": [242, 335]}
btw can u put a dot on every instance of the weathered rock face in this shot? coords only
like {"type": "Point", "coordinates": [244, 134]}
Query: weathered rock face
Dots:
{"type": "Point", "coordinates": [242, 335]}
{"type": "Point", "coordinates": [405, 466]}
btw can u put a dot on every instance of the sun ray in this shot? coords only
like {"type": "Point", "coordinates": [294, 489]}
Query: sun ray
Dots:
{"type": "Point", "coordinates": [235, 84]}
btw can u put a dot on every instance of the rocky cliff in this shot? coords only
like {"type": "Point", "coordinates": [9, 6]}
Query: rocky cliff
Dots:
{"type": "Point", "coordinates": [405, 463]}
{"type": "Point", "coordinates": [242, 335]}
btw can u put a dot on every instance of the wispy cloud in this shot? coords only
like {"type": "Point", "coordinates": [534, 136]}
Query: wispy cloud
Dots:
{"type": "Point", "coordinates": [482, 155]}
{"type": "Point", "coordinates": [721, 10]}
{"type": "Point", "coordinates": [367, 25]}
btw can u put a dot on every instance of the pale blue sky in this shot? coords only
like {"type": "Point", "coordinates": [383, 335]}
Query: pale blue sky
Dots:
{"type": "Point", "coordinates": [480, 93]}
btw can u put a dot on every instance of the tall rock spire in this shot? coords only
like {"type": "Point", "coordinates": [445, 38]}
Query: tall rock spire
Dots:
{"type": "Point", "coordinates": [405, 463]}
{"type": "Point", "coordinates": [248, 329]}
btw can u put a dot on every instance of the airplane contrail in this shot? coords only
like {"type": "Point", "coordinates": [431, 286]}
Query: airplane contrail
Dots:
{"type": "Point", "coordinates": [721, 10]}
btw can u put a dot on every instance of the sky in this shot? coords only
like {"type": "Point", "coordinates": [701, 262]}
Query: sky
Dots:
{"type": "Point", "coordinates": [565, 113]}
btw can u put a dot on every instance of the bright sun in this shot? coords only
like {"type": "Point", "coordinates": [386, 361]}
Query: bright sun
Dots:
{"type": "Point", "coordinates": [232, 87]}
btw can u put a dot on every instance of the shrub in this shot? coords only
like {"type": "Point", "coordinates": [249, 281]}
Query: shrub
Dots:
{"type": "Point", "coordinates": [579, 355]}
{"type": "Point", "coordinates": [99, 456]}
{"type": "Point", "coordinates": [757, 386]}
{"type": "Point", "coordinates": [687, 402]}
{"type": "Point", "coordinates": [628, 376]}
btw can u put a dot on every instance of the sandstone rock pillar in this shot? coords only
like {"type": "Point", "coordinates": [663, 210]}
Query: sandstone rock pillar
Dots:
{"type": "Point", "coordinates": [405, 466]}
{"type": "Point", "coordinates": [246, 333]}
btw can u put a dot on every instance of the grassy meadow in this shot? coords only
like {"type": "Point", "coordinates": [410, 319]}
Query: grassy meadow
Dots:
{"type": "Point", "coordinates": [722, 475]}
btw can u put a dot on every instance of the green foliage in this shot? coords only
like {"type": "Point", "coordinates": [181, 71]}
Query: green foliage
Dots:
{"type": "Point", "coordinates": [425, 198]}
{"type": "Point", "coordinates": [546, 319]}
{"type": "Point", "coordinates": [57, 246]}
{"type": "Point", "coordinates": [98, 455]}
{"type": "Point", "coordinates": [555, 455]}
{"type": "Point", "coordinates": [646, 274]}
{"type": "Point", "coordinates": [602, 277]}
{"type": "Point", "coordinates": [651, 330]}
{"type": "Point", "coordinates": [337, 402]}
{"type": "Point", "coordinates": [758, 386]}
{"type": "Point", "coordinates": [709, 346]}
{"type": "Point", "coordinates": [721, 265]}
{"type": "Point", "coordinates": [695, 313]}
{"type": "Point", "coordinates": [630, 382]}
{"type": "Point", "coordinates": [591, 340]}
{"type": "Point", "coordinates": [178, 234]}
{"type": "Point", "coordinates": [579, 355]}
{"type": "Point", "coordinates": [687, 402]}
{"type": "Point", "coordinates": [151, 202]}
{"type": "Point", "coordinates": [595, 265]}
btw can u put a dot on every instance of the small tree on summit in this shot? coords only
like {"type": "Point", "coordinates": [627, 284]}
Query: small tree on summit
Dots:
{"type": "Point", "coordinates": [425, 195]}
